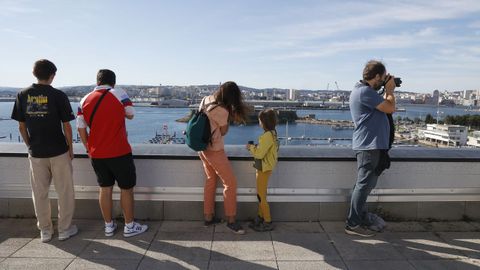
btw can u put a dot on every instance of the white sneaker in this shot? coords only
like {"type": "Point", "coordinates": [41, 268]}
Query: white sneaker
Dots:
{"type": "Point", "coordinates": [134, 230]}
{"type": "Point", "coordinates": [46, 236]}
{"type": "Point", "coordinates": [71, 231]}
{"type": "Point", "coordinates": [110, 230]}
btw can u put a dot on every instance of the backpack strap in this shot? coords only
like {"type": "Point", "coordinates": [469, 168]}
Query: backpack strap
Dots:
{"type": "Point", "coordinates": [96, 106]}
{"type": "Point", "coordinates": [204, 106]}
{"type": "Point", "coordinates": [215, 104]}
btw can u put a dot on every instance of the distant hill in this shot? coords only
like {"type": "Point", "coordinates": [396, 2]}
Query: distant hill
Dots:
{"type": "Point", "coordinates": [11, 89]}
{"type": "Point", "coordinates": [77, 90]}
{"type": "Point", "coordinates": [8, 91]}
{"type": "Point", "coordinates": [87, 88]}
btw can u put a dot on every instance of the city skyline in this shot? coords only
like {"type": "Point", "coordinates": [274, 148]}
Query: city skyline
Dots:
{"type": "Point", "coordinates": [272, 44]}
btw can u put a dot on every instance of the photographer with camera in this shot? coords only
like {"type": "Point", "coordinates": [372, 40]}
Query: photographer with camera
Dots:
{"type": "Point", "coordinates": [371, 140]}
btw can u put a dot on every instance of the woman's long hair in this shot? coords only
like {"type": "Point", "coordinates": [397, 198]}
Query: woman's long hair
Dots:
{"type": "Point", "coordinates": [230, 97]}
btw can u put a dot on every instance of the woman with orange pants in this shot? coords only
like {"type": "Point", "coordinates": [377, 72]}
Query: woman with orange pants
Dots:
{"type": "Point", "coordinates": [225, 105]}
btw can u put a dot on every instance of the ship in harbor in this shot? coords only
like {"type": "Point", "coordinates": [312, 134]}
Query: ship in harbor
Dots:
{"type": "Point", "coordinates": [166, 138]}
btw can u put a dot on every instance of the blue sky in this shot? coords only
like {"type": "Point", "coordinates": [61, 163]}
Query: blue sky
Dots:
{"type": "Point", "coordinates": [286, 44]}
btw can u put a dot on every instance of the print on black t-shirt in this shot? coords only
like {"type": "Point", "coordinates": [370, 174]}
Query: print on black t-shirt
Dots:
{"type": "Point", "coordinates": [37, 106]}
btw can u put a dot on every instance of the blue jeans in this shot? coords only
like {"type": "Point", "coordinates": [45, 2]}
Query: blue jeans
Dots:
{"type": "Point", "coordinates": [367, 161]}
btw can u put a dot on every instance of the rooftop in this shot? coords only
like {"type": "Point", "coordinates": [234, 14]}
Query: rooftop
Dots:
{"type": "Point", "coordinates": [309, 212]}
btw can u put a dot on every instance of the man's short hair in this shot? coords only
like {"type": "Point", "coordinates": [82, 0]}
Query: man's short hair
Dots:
{"type": "Point", "coordinates": [106, 77]}
{"type": "Point", "coordinates": [372, 68]}
{"type": "Point", "coordinates": [44, 69]}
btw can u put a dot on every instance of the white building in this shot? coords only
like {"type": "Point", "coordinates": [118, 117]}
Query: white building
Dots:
{"type": "Point", "coordinates": [292, 94]}
{"type": "Point", "coordinates": [467, 94]}
{"type": "Point", "coordinates": [474, 140]}
{"type": "Point", "coordinates": [448, 135]}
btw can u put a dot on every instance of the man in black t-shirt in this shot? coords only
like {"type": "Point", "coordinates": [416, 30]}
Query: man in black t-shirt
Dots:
{"type": "Point", "coordinates": [44, 114]}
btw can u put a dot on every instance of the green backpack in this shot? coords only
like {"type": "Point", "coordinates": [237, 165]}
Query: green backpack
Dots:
{"type": "Point", "coordinates": [198, 131]}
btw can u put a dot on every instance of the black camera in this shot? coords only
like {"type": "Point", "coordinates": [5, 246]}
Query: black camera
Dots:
{"type": "Point", "coordinates": [397, 81]}
{"type": "Point", "coordinates": [251, 142]}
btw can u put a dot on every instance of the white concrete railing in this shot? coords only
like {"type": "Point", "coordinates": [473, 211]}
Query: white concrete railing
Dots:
{"type": "Point", "coordinates": [304, 174]}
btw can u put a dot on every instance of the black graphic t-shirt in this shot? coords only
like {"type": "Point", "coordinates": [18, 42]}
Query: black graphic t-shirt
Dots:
{"type": "Point", "coordinates": [43, 109]}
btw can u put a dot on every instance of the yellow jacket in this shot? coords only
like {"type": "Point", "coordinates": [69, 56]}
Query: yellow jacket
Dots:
{"type": "Point", "coordinates": [266, 150]}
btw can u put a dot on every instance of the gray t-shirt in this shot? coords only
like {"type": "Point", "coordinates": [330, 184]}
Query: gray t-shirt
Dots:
{"type": "Point", "coordinates": [372, 129]}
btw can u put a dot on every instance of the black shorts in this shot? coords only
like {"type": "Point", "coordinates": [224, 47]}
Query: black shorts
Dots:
{"type": "Point", "coordinates": [120, 168]}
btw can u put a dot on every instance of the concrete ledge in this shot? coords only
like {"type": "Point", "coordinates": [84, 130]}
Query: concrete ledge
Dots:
{"type": "Point", "coordinates": [281, 211]}
{"type": "Point", "coordinates": [309, 183]}
{"type": "Point", "coordinates": [472, 210]}
{"type": "Point", "coordinates": [441, 210]}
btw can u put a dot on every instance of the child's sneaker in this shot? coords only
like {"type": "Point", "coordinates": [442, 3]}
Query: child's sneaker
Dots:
{"type": "Point", "coordinates": [71, 231]}
{"type": "Point", "coordinates": [263, 227]}
{"type": "Point", "coordinates": [258, 220]}
{"type": "Point", "coordinates": [236, 228]}
{"type": "Point", "coordinates": [134, 229]}
{"type": "Point", "coordinates": [213, 221]}
{"type": "Point", "coordinates": [110, 229]}
{"type": "Point", "coordinates": [45, 236]}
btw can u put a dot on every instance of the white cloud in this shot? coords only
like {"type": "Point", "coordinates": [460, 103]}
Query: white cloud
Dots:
{"type": "Point", "coordinates": [432, 10]}
{"type": "Point", "coordinates": [428, 32]}
{"type": "Point", "coordinates": [459, 54]}
{"type": "Point", "coordinates": [344, 18]}
{"type": "Point", "coordinates": [401, 60]}
{"type": "Point", "coordinates": [404, 40]}
{"type": "Point", "coordinates": [370, 16]}
{"type": "Point", "coordinates": [475, 24]}
{"type": "Point", "coordinates": [17, 7]}
{"type": "Point", "coordinates": [474, 50]}
{"type": "Point", "coordinates": [18, 33]}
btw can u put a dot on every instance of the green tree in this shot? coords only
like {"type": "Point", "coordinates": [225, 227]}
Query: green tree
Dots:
{"type": "Point", "coordinates": [464, 120]}
{"type": "Point", "coordinates": [450, 120]}
{"type": "Point", "coordinates": [429, 119]}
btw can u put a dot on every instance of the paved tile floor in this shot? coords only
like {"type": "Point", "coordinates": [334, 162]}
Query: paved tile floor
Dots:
{"type": "Point", "coordinates": [292, 245]}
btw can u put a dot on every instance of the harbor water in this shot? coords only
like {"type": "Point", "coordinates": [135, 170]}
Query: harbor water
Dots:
{"type": "Point", "coordinates": [152, 120]}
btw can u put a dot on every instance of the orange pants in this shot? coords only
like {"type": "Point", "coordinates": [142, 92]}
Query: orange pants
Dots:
{"type": "Point", "coordinates": [215, 163]}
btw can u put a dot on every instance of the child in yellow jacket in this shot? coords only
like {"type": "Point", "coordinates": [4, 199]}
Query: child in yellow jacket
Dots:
{"type": "Point", "coordinates": [266, 156]}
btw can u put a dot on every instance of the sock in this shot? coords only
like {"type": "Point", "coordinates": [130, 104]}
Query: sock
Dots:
{"type": "Point", "coordinates": [129, 225]}
{"type": "Point", "coordinates": [109, 224]}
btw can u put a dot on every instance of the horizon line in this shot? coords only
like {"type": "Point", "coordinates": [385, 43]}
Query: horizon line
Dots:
{"type": "Point", "coordinates": [149, 85]}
